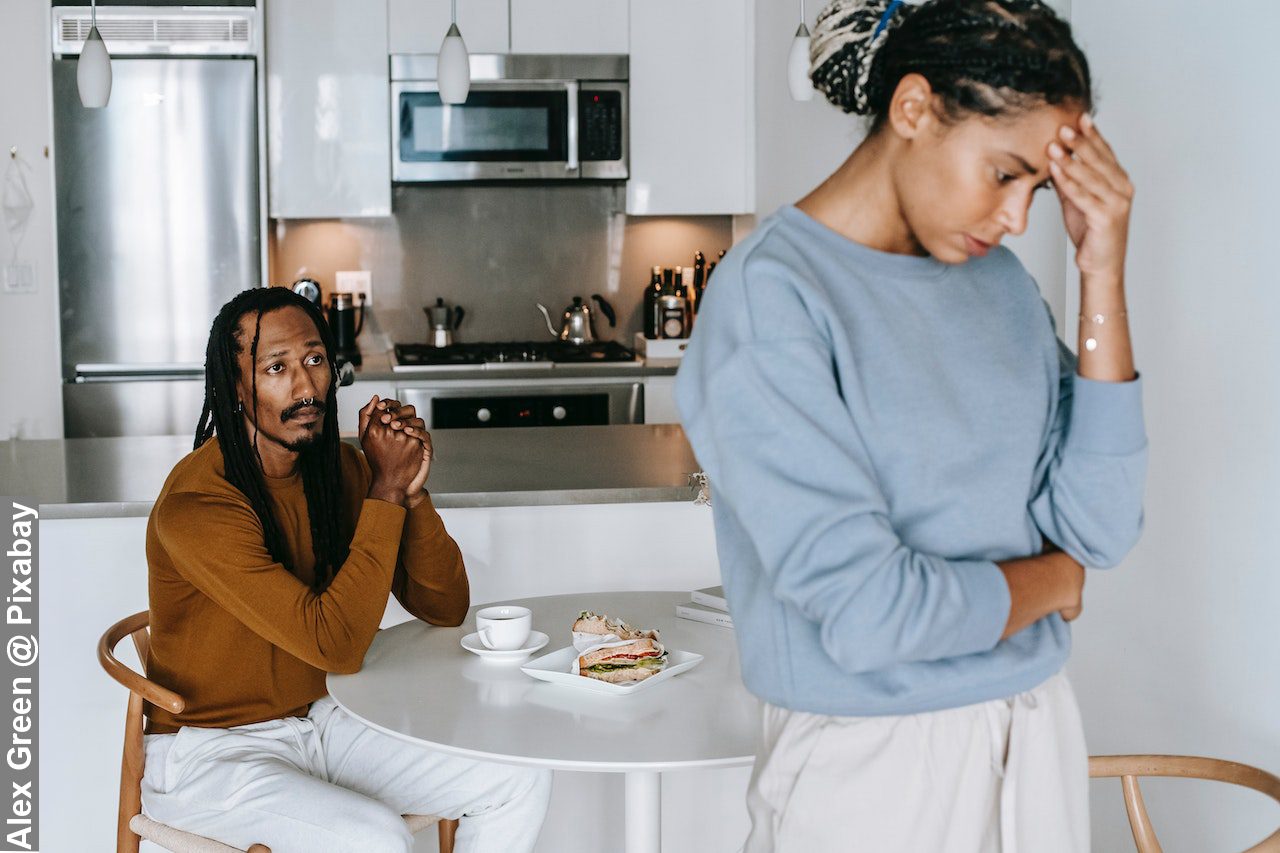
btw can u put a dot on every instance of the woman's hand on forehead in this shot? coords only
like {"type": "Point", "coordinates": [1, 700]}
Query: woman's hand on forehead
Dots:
{"type": "Point", "coordinates": [1096, 196]}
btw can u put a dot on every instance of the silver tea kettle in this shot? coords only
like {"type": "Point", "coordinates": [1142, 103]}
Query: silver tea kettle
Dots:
{"type": "Point", "coordinates": [444, 320]}
{"type": "Point", "coordinates": [577, 325]}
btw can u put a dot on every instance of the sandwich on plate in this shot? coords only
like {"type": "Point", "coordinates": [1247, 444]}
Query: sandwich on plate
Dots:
{"type": "Point", "coordinates": [622, 655]}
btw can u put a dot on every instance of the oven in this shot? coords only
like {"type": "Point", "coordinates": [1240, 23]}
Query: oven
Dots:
{"type": "Point", "coordinates": [526, 117]}
{"type": "Point", "coordinates": [491, 403]}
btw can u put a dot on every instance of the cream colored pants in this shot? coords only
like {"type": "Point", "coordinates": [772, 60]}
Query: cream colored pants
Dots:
{"type": "Point", "coordinates": [1006, 776]}
{"type": "Point", "coordinates": [328, 783]}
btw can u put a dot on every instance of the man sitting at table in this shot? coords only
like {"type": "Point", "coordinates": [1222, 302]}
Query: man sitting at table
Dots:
{"type": "Point", "coordinates": [271, 550]}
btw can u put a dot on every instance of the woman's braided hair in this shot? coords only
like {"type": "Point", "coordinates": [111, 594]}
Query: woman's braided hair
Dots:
{"type": "Point", "coordinates": [991, 57]}
{"type": "Point", "coordinates": [320, 464]}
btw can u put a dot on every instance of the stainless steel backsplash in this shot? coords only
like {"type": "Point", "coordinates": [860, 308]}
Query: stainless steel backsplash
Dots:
{"type": "Point", "coordinates": [496, 251]}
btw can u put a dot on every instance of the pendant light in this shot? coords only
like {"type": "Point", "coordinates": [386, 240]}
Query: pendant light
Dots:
{"type": "Point", "coordinates": [798, 63]}
{"type": "Point", "coordinates": [93, 68]}
{"type": "Point", "coordinates": [454, 65]}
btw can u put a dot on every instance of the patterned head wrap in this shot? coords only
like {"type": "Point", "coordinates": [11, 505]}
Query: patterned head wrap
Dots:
{"type": "Point", "coordinates": [845, 41]}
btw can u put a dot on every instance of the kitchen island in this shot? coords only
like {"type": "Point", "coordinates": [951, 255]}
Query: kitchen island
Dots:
{"type": "Point", "coordinates": [632, 463]}
{"type": "Point", "coordinates": [536, 511]}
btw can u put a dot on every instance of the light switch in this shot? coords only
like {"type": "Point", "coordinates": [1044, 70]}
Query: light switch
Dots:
{"type": "Point", "coordinates": [355, 281]}
{"type": "Point", "coordinates": [19, 278]}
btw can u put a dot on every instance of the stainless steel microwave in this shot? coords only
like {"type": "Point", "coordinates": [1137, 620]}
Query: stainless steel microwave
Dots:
{"type": "Point", "coordinates": [527, 117]}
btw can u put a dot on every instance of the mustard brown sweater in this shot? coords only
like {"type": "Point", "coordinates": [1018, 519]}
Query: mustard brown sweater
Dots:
{"type": "Point", "coordinates": [244, 639]}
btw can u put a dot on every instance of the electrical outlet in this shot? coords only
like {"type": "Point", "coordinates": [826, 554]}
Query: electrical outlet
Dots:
{"type": "Point", "coordinates": [355, 281]}
{"type": "Point", "coordinates": [19, 278]}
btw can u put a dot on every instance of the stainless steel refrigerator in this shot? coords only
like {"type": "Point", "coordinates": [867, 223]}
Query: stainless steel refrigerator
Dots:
{"type": "Point", "coordinates": [159, 224]}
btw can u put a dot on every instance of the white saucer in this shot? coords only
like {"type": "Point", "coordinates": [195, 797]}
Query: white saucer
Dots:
{"type": "Point", "coordinates": [536, 640]}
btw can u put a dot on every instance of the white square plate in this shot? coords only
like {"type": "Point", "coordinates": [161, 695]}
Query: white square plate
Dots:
{"type": "Point", "coordinates": [554, 667]}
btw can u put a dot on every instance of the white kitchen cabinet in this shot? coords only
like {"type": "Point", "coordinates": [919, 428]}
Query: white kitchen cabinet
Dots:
{"type": "Point", "coordinates": [328, 138]}
{"type": "Point", "coordinates": [660, 400]}
{"type": "Point", "coordinates": [569, 26]}
{"type": "Point", "coordinates": [418, 26]}
{"type": "Point", "coordinates": [692, 107]}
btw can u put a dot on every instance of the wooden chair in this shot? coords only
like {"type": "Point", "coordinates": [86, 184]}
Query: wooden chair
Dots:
{"type": "Point", "coordinates": [1130, 767]}
{"type": "Point", "coordinates": [132, 826]}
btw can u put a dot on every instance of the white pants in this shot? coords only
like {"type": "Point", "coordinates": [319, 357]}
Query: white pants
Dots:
{"type": "Point", "coordinates": [328, 782]}
{"type": "Point", "coordinates": [1006, 776]}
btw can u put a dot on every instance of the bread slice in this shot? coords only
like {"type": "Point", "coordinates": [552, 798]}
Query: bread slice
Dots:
{"type": "Point", "coordinates": [591, 623]}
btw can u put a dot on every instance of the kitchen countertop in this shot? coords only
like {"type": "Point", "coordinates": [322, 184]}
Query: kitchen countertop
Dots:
{"type": "Point", "coordinates": [377, 367]}
{"type": "Point", "coordinates": [530, 466]}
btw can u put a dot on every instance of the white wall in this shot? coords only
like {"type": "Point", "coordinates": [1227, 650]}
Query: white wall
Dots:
{"type": "Point", "coordinates": [798, 144]}
{"type": "Point", "coordinates": [1178, 650]}
{"type": "Point", "coordinates": [30, 379]}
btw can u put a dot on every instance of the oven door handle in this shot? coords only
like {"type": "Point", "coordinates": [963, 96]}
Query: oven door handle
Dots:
{"type": "Point", "coordinates": [571, 161]}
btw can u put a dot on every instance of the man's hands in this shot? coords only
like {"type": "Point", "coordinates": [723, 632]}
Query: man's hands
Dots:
{"type": "Point", "coordinates": [398, 447]}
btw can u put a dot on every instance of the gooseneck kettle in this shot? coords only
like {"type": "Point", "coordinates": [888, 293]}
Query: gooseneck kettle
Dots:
{"type": "Point", "coordinates": [577, 324]}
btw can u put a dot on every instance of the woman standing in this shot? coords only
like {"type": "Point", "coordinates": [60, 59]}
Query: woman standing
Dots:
{"type": "Point", "coordinates": [909, 469]}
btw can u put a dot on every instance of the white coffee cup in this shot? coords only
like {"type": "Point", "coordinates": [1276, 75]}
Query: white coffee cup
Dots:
{"type": "Point", "coordinates": [505, 627]}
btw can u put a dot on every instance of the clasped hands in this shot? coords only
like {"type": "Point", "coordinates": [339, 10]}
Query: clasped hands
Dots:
{"type": "Point", "coordinates": [398, 447]}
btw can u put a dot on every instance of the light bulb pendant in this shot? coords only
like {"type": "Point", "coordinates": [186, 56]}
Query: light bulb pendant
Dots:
{"type": "Point", "coordinates": [798, 66]}
{"type": "Point", "coordinates": [454, 68]}
{"type": "Point", "coordinates": [93, 71]}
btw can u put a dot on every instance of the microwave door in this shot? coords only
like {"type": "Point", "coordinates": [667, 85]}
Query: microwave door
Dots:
{"type": "Point", "coordinates": [504, 131]}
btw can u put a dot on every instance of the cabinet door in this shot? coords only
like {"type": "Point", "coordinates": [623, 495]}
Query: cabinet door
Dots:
{"type": "Point", "coordinates": [660, 400]}
{"type": "Point", "coordinates": [692, 107]}
{"type": "Point", "coordinates": [569, 26]}
{"type": "Point", "coordinates": [329, 138]}
{"type": "Point", "coordinates": [418, 26]}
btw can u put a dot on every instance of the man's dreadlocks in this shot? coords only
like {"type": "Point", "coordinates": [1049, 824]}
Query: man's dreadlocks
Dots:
{"type": "Point", "coordinates": [221, 416]}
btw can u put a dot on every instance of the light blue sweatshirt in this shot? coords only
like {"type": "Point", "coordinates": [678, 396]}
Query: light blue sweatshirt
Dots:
{"type": "Point", "coordinates": [877, 430]}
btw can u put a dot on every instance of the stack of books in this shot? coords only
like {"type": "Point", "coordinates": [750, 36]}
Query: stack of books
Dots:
{"type": "Point", "coordinates": [707, 605]}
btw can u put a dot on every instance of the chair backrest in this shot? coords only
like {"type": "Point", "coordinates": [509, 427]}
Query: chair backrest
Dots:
{"type": "Point", "coordinates": [1130, 767]}
{"type": "Point", "coordinates": [141, 691]}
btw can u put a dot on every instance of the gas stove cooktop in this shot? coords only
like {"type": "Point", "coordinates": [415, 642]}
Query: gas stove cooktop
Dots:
{"type": "Point", "coordinates": [513, 353]}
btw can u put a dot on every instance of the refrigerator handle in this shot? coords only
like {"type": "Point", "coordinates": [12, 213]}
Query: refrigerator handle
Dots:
{"type": "Point", "coordinates": [137, 372]}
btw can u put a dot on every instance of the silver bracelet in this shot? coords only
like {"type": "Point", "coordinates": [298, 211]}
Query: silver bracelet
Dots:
{"type": "Point", "coordinates": [1099, 319]}
{"type": "Point", "coordinates": [1091, 343]}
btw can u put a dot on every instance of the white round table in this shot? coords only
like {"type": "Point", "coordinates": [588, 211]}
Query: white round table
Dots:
{"type": "Point", "coordinates": [420, 685]}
